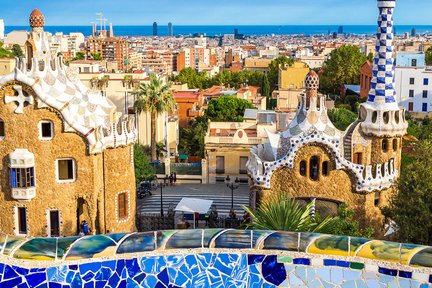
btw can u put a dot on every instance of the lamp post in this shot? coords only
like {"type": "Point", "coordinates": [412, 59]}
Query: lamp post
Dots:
{"type": "Point", "coordinates": [161, 199]}
{"type": "Point", "coordinates": [233, 186]}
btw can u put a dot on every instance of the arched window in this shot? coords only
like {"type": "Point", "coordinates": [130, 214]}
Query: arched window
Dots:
{"type": "Point", "coordinates": [303, 168]}
{"type": "Point", "coordinates": [395, 144]}
{"type": "Point", "coordinates": [314, 168]}
{"type": "Point", "coordinates": [384, 145]}
{"type": "Point", "coordinates": [325, 168]}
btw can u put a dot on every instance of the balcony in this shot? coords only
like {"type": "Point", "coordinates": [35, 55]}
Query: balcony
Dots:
{"type": "Point", "coordinates": [230, 140]}
{"type": "Point", "coordinates": [24, 194]}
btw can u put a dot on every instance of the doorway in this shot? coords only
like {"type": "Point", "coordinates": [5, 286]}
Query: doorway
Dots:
{"type": "Point", "coordinates": [54, 220]}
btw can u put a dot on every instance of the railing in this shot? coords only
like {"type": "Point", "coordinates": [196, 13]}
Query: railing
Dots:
{"type": "Point", "coordinates": [159, 168]}
{"type": "Point", "coordinates": [186, 168]}
{"type": "Point", "coordinates": [230, 140]}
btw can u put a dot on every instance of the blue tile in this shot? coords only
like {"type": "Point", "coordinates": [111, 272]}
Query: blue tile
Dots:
{"type": "Point", "coordinates": [387, 271]}
{"type": "Point", "coordinates": [255, 259]}
{"type": "Point", "coordinates": [272, 271]}
{"type": "Point", "coordinates": [301, 261]}
{"type": "Point", "coordinates": [405, 274]}
{"type": "Point", "coordinates": [163, 276]}
{"type": "Point", "coordinates": [132, 267]}
{"type": "Point", "coordinates": [35, 279]}
{"type": "Point", "coordinates": [9, 273]}
{"type": "Point", "coordinates": [430, 278]}
{"type": "Point", "coordinates": [11, 283]}
{"type": "Point", "coordinates": [329, 262]}
{"type": "Point", "coordinates": [345, 264]}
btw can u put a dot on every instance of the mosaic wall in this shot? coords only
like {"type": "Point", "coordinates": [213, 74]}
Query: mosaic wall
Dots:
{"type": "Point", "coordinates": [222, 258]}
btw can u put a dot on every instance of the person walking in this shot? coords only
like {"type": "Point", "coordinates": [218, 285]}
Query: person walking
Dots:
{"type": "Point", "coordinates": [175, 177]}
{"type": "Point", "coordinates": [84, 227]}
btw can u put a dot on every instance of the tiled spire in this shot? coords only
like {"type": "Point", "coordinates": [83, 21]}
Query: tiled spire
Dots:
{"type": "Point", "coordinates": [382, 83]}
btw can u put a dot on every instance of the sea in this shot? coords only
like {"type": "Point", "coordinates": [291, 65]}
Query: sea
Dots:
{"type": "Point", "coordinates": [250, 30]}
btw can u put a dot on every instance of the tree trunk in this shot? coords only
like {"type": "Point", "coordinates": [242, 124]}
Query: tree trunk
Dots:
{"type": "Point", "coordinates": [153, 136]}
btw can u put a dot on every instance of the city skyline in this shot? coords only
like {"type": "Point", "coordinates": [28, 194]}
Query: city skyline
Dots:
{"type": "Point", "coordinates": [279, 12]}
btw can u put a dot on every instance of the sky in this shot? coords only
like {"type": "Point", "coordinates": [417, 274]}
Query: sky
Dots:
{"type": "Point", "coordinates": [214, 12]}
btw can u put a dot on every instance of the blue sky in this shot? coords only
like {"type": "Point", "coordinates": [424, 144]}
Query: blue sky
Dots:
{"type": "Point", "coordinates": [217, 12]}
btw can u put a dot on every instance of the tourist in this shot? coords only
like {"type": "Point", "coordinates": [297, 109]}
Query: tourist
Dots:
{"type": "Point", "coordinates": [171, 179]}
{"type": "Point", "coordinates": [232, 214]}
{"type": "Point", "coordinates": [84, 227]}
{"type": "Point", "coordinates": [196, 216]}
{"type": "Point", "coordinates": [155, 182]}
{"type": "Point", "coordinates": [175, 177]}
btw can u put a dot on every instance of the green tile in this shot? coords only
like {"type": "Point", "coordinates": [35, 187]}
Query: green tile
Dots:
{"type": "Point", "coordinates": [356, 265]}
{"type": "Point", "coordinates": [284, 259]}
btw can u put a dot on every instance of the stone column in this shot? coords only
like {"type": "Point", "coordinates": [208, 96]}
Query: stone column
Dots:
{"type": "Point", "coordinates": [204, 174]}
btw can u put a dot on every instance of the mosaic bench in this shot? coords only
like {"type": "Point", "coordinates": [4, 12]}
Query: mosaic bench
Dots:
{"type": "Point", "coordinates": [212, 258]}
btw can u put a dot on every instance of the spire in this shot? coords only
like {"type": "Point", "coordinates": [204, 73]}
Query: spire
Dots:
{"type": "Point", "coordinates": [312, 84]}
{"type": "Point", "coordinates": [382, 84]}
{"type": "Point", "coordinates": [381, 114]}
{"type": "Point", "coordinates": [37, 20]}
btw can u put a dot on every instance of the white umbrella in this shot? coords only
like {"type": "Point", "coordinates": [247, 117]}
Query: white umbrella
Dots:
{"type": "Point", "coordinates": [194, 205]}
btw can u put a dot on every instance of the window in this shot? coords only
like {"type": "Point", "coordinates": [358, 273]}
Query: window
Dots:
{"type": "Point", "coordinates": [411, 93]}
{"type": "Point", "coordinates": [314, 168]}
{"type": "Point", "coordinates": [384, 145]}
{"type": "Point", "coordinates": [243, 161]}
{"type": "Point", "coordinates": [426, 81]}
{"type": "Point", "coordinates": [424, 107]}
{"type": "Point", "coordinates": [66, 170]}
{"type": "Point", "coordinates": [358, 158]}
{"type": "Point", "coordinates": [122, 202]}
{"type": "Point", "coordinates": [410, 106]}
{"type": "Point", "coordinates": [395, 144]}
{"type": "Point", "coordinates": [220, 164]}
{"type": "Point", "coordinates": [2, 129]}
{"type": "Point", "coordinates": [22, 177]}
{"type": "Point", "coordinates": [303, 168]}
{"type": "Point", "coordinates": [425, 93]}
{"type": "Point", "coordinates": [325, 168]}
{"type": "Point", "coordinates": [377, 198]}
{"type": "Point", "coordinates": [22, 220]}
{"type": "Point", "coordinates": [46, 130]}
{"type": "Point", "coordinates": [411, 81]}
{"type": "Point", "coordinates": [414, 62]}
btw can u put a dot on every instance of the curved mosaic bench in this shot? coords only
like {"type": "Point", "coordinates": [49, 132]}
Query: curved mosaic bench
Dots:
{"type": "Point", "coordinates": [213, 257]}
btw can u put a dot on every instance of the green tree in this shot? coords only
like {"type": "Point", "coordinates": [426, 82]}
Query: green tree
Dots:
{"type": "Point", "coordinates": [286, 214]}
{"type": "Point", "coordinates": [192, 137]}
{"type": "Point", "coordinates": [266, 90]}
{"type": "Point", "coordinates": [370, 57]}
{"type": "Point", "coordinates": [79, 56]}
{"type": "Point", "coordinates": [143, 167]}
{"type": "Point", "coordinates": [227, 109]}
{"type": "Point", "coordinates": [96, 56]}
{"type": "Point", "coordinates": [411, 207]}
{"type": "Point", "coordinates": [428, 56]}
{"type": "Point", "coordinates": [342, 67]}
{"type": "Point", "coordinates": [17, 51]}
{"type": "Point", "coordinates": [349, 226]}
{"type": "Point", "coordinates": [341, 117]}
{"type": "Point", "coordinates": [273, 74]}
{"type": "Point", "coordinates": [4, 53]}
{"type": "Point", "coordinates": [155, 98]}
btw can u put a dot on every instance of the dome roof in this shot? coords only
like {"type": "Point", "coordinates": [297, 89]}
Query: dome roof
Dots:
{"type": "Point", "coordinates": [312, 81]}
{"type": "Point", "coordinates": [36, 19]}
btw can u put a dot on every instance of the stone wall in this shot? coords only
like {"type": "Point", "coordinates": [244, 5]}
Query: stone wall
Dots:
{"type": "Point", "coordinates": [22, 131]}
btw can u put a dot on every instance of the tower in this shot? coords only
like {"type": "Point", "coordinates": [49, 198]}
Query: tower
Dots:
{"type": "Point", "coordinates": [170, 29]}
{"type": "Point", "coordinates": [37, 21]}
{"type": "Point", "coordinates": [382, 119]}
{"type": "Point", "coordinates": [155, 29]}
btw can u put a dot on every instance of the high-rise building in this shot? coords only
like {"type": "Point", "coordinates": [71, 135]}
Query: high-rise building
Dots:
{"type": "Point", "coordinates": [155, 29]}
{"type": "Point", "coordinates": [413, 32]}
{"type": "Point", "coordinates": [340, 30]}
{"type": "Point", "coordinates": [170, 29]}
{"type": "Point", "coordinates": [1, 29]}
{"type": "Point", "coordinates": [111, 49]}
{"type": "Point", "coordinates": [196, 58]}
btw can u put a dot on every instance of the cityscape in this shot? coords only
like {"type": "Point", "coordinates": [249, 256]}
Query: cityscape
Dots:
{"type": "Point", "coordinates": [206, 152]}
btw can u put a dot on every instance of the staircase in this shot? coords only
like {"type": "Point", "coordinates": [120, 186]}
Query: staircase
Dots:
{"type": "Point", "coordinates": [348, 141]}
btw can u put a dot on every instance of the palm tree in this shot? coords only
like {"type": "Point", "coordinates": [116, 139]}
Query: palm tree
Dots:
{"type": "Point", "coordinates": [155, 98]}
{"type": "Point", "coordinates": [286, 214]}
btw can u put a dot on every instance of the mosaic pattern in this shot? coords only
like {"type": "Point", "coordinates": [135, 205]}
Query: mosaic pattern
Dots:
{"type": "Point", "coordinates": [209, 270]}
{"type": "Point", "coordinates": [114, 261]}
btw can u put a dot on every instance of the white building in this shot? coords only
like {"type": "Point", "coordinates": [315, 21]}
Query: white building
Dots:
{"type": "Point", "coordinates": [2, 28]}
{"type": "Point", "coordinates": [414, 88]}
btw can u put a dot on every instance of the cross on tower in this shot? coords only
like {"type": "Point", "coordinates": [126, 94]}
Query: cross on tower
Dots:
{"type": "Point", "coordinates": [20, 99]}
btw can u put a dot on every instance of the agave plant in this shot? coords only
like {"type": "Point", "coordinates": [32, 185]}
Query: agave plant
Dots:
{"type": "Point", "coordinates": [286, 214]}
